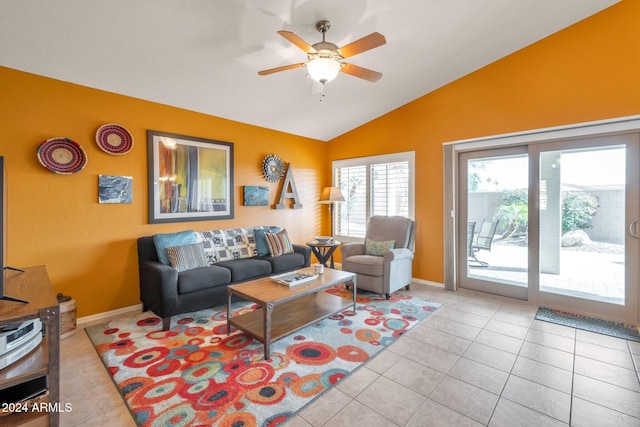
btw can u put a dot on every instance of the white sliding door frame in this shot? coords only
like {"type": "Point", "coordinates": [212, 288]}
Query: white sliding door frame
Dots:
{"type": "Point", "coordinates": [451, 151]}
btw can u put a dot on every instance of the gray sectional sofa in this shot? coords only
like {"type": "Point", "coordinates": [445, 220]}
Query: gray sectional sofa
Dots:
{"type": "Point", "coordinates": [199, 281]}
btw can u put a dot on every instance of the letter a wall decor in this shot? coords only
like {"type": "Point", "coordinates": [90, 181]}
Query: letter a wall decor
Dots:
{"type": "Point", "coordinates": [288, 191]}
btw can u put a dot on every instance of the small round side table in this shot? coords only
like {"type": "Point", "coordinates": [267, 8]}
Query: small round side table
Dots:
{"type": "Point", "coordinates": [324, 250]}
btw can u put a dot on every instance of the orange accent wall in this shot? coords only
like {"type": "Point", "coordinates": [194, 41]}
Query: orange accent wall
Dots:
{"type": "Point", "coordinates": [89, 248]}
{"type": "Point", "coordinates": [589, 71]}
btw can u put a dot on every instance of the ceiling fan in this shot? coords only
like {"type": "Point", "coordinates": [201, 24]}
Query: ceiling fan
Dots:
{"type": "Point", "coordinates": [326, 60]}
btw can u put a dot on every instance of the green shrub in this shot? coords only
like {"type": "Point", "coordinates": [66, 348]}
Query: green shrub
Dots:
{"type": "Point", "coordinates": [513, 212]}
{"type": "Point", "coordinates": [515, 197]}
{"type": "Point", "coordinates": [578, 210]}
{"type": "Point", "coordinates": [512, 216]}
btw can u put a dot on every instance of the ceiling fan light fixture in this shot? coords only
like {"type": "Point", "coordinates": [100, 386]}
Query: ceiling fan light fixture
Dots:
{"type": "Point", "coordinates": [325, 59]}
{"type": "Point", "coordinates": [323, 70]}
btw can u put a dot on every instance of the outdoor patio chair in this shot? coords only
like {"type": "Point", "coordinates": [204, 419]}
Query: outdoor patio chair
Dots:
{"type": "Point", "coordinates": [471, 231]}
{"type": "Point", "coordinates": [483, 241]}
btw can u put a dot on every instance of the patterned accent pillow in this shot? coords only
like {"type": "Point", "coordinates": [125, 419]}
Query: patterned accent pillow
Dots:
{"type": "Point", "coordinates": [187, 257]}
{"type": "Point", "coordinates": [376, 248]}
{"type": "Point", "coordinates": [279, 243]}
{"type": "Point", "coordinates": [163, 241]}
{"type": "Point", "coordinates": [212, 244]}
{"type": "Point", "coordinates": [229, 244]}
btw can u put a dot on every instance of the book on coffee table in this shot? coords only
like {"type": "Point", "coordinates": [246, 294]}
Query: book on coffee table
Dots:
{"type": "Point", "coordinates": [294, 278]}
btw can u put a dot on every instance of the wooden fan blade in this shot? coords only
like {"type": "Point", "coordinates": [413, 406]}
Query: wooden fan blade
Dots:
{"type": "Point", "coordinates": [278, 69]}
{"type": "Point", "coordinates": [361, 73]}
{"type": "Point", "coordinates": [293, 38]}
{"type": "Point", "coordinates": [362, 45]}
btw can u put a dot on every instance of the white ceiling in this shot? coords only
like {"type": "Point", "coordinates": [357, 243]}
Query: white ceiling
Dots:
{"type": "Point", "coordinates": [204, 55]}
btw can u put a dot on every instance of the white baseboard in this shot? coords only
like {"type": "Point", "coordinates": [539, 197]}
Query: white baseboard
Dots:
{"type": "Point", "coordinates": [428, 282]}
{"type": "Point", "coordinates": [110, 314]}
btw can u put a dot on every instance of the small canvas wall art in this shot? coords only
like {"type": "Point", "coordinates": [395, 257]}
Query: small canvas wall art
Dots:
{"type": "Point", "coordinates": [256, 196]}
{"type": "Point", "coordinates": [115, 189]}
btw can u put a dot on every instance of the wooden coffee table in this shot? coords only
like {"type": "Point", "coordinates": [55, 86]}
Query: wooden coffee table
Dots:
{"type": "Point", "coordinates": [284, 309]}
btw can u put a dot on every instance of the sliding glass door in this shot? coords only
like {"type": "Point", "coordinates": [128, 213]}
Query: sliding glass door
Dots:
{"type": "Point", "coordinates": [554, 223]}
{"type": "Point", "coordinates": [588, 202]}
{"type": "Point", "coordinates": [493, 225]}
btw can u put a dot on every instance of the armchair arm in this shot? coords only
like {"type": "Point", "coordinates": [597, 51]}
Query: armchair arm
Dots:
{"type": "Point", "coordinates": [398, 254]}
{"type": "Point", "coordinates": [397, 269]}
{"type": "Point", "coordinates": [305, 251]}
{"type": "Point", "coordinates": [158, 287]}
{"type": "Point", "coordinates": [350, 249]}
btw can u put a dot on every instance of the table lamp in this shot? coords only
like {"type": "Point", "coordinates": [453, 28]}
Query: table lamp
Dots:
{"type": "Point", "coordinates": [330, 196]}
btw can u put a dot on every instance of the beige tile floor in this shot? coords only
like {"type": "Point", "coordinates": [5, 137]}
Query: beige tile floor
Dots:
{"type": "Point", "coordinates": [478, 360]}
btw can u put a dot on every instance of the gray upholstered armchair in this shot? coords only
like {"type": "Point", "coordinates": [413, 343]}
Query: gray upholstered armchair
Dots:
{"type": "Point", "coordinates": [383, 271]}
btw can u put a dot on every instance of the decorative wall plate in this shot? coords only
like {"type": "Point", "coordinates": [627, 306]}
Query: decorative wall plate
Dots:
{"type": "Point", "coordinates": [272, 168]}
{"type": "Point", "coordinates": [62, 155]}
{"type": "Point", "coordinates": [114, 139]}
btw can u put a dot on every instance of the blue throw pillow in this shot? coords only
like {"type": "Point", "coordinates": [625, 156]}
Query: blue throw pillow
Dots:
{"type": "Point", "coordinates": [261, 241]}
{"type": "Point", "coordinates": [164, 241]}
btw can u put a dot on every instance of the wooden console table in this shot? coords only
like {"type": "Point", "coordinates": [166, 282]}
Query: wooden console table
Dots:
{"type": "Point", "coordinates": [34, 286]}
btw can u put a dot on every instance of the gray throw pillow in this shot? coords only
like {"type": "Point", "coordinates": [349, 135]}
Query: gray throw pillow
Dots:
{"type": "Point", "coordinates": [187, 257]}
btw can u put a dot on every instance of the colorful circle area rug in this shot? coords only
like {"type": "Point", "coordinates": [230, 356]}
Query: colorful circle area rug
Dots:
{"type": "Point", "coordinates": [194, 374]}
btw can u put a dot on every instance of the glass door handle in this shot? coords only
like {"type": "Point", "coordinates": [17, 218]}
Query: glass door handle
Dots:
{"type": "Point", "coordinates": [633, 228]}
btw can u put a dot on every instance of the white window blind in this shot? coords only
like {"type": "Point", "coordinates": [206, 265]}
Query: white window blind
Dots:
{"type": "Point", "coordinates": [390, 188]}
{"type": "Point", "coordinates": [378, 185]}
{"type": "Point", "coordinates": [351, 215]}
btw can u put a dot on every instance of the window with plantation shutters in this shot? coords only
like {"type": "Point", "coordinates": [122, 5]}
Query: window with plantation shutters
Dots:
{"type": "Point", "coordinates": [390, 188]}
{"type": "Point", "coordinates": [377, 185]}
{"type": "Point", "coordinates": [351, 215]}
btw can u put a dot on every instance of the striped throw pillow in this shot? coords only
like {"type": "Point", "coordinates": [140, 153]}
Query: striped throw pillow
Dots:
{"type": "Point", "coordinates": [187, 257]}
{"type": "Point", "coordinates": [278, 243]}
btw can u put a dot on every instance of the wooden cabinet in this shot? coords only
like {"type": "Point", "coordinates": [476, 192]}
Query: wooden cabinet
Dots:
{"type": "Point", "coordinates": [43, 362]}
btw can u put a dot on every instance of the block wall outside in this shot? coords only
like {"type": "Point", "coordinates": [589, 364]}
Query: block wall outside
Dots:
{"type": "Point", "coordinates": [608, 223]}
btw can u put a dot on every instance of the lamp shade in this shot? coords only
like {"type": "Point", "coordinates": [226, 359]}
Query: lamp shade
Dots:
{"type": "Point", "coordinates": [331, 195]}
{"type": "Point", "coordinates": [323, 70]}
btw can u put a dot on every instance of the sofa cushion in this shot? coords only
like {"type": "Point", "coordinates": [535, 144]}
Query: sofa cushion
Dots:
{"type": "Point", "coordinates": [187, 257]}
{"type": "Point", "coordinates": [378, 248]}
{"type": "Point", "coordinates": [246, 268]}
{"type": "Point", "coordinates": [279, 243]}
{"type": "Point", "coordinates": [202, 278]}
{"type": "Point", "coordinates": [164, 241]}
{"type": "Point", "coordinates": [285, 262]}
{"type": "Point", "coordinates": [261, 241]}
{"type": "Point", "coordinates": [364, 264]}
{"type": "Point", "coordinates": [228, 244]}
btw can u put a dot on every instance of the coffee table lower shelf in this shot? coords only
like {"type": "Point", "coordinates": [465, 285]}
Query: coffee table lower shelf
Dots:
{"type": "Point", "coordinates": [288, 317]}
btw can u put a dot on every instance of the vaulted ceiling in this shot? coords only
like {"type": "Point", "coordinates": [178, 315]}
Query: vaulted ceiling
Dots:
{"type": "Point", "coordinates": [204, 55]}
